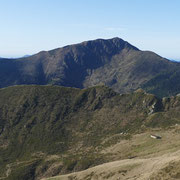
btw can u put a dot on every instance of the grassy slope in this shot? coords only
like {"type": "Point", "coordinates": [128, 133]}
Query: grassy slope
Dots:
{"type": "Point", "coordinates": [148, 159]}
{"type": "Point", "coordinates": [47, 130]}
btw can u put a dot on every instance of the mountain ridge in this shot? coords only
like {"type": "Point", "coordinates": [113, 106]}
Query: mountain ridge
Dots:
{"type": "Point", "coordinates": [112, 62]}
{"type": "Point", "coordinates": [42, 127]}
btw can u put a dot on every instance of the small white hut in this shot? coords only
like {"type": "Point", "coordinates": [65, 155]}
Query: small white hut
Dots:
{"type": "Point", "coordinates": [155, 136]}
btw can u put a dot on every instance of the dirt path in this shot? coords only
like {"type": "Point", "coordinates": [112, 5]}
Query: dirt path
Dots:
{"type": "Point", "coordinates": [8, 172]}
{"type": "Point", "coordinates": [9, 166]}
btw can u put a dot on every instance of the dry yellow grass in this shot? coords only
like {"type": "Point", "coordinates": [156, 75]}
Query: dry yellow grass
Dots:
{"type": "Point", "coordinates": [148, 159]}
{"type": "Point", "coordinates": [139, 169]}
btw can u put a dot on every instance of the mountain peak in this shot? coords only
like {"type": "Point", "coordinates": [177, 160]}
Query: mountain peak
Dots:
{"type": "Point", "coordinates": [115, 42]}
{"type": "Point", "coordinates": [112, 62]}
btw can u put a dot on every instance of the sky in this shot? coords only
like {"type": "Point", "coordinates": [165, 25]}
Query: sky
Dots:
{"type": "Point", "coordinates": [30, 26]}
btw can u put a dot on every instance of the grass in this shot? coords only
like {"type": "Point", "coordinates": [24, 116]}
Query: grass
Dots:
{"type": "Point", "coordinates": [75, 124]}
{"type": "Point", "coordinates": [146, 153]}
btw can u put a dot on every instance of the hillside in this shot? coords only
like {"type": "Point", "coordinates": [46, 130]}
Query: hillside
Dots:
{"type": "Point", "coordinates": [165, 166]}
{"type": "Point", "coordinates": [113, 62]}
{"type": "Point", "coordinates": [51, 130]}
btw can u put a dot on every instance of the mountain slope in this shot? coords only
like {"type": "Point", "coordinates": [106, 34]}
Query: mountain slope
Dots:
{"type": "Point", "coordinates": [154, 168]}
{"type": "Point", "coordinates": [51, 130]}
{"type": "Point", "coordinates": [112, 62]}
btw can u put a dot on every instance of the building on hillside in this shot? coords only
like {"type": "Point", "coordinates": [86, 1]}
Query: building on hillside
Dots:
{"type": "Point", "coordinates": [155, 136]}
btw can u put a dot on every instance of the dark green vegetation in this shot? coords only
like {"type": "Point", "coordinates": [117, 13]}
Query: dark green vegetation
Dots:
{"type": "Point", "coordinates": [114, 63]}
{"type": "Point", "coordinates": [50, 130]}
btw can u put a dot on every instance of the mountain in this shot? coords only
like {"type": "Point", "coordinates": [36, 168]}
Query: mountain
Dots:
{"type": "Point", "coordinates": [27, 55]}
{"type": "Point", "coordinates": [51, 130]}
{"type": "Point", "coordinates": [113, 62]}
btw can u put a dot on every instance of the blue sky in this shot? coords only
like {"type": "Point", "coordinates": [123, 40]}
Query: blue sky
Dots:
{"type": "Point", "coordinates": [27, 27]}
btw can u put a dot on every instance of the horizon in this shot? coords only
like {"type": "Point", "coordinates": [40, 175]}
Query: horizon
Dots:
{"type": "Point", "coordinates": [31, 27]}
{"type": "Point", "coordinates": [27, 55]}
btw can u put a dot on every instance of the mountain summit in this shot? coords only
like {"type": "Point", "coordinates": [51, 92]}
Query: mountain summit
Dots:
{"type": "Point", "coordinates": [112, 62]}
